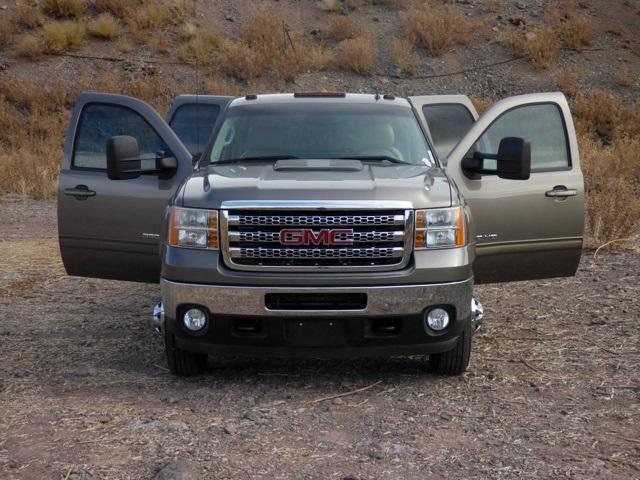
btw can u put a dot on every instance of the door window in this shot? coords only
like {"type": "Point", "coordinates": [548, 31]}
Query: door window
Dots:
{"type": "Point", "coordinates": [542, 125]}
{"type": "Point", "coordinates": [99, 122]}
{"type": "Point", "coordinates": [447, 123]}
{"type": "Point", "coordinates": [193, 124]}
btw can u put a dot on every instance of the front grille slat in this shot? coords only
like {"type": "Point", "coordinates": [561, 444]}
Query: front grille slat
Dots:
{"type": "Point", "coordinates": [283, 240]}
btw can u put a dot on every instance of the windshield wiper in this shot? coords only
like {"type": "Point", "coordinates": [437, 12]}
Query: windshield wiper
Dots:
{"type": "Point", "coordinates": [253, 159]}
{"type": "Point", "coordinates": [380, 158]}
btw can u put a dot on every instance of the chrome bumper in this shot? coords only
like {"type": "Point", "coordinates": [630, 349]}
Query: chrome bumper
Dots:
{"type": "Point", "coordinates": [387, 300]}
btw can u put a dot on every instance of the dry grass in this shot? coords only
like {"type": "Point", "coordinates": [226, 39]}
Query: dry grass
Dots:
{"type": "Point", "coordinates": [201, 47]}
{"type": "Point", "coordinates": [626, 78]}
{"type": "Point", "coordinates": [540, 46]}
{"type": "Point", "coordinates": [220, 86]}
{"type": "Point", "coordinates": [7, 30]}
{"type": "Point", "coordinates": [318, 57]}
{"type": "Point", "coordinates": [342, 27]}
{"type": "Point", "coordinates": [29, 15]}
{"type": "Point", "coordinates": [64, 8]}
{"type": "Point", "coordinates": [568, 80]}
{"type": "Point", "coordinates": [329, 5]}
{"type": "Point", "coordinates": [263, 50]}
{"type": "Point", "coordinates": [30, 46]}
{"type": "Point", "coordinates": [439, 27]}
{"type": "Point", "coordinates": [118, 8]}
{"type": "Point", "coordinates": [404, 56]}
{"type": "Point", "coordinates": [573, 29]}
{"type": "Point", "coordinates": [358, 55]}
{"type": "Point", "coordinates": [151, 15]}
{"type": "Point", "coordinates": [612, 180]}
{"type": "Point", "coordinates": [104, 26]}
{"type": "Point", "coordinates": [482, 103]}
{"type": "Point", "coordinates": [60, 37]}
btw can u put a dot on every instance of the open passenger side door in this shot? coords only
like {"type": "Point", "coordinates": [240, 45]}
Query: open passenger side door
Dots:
{"type": "Point", "coordinates": [194, 118]}
{"type": "Point", "coordinates": [527, 228]}
{"type": "Point", "coordinates": [445, 118]}
{"type": "Point", "coordinates": [111, 228]}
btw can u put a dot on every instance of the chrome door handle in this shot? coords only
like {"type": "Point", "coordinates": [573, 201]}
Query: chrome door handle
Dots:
{"type": "Point", "coordinates": [81, 192]}
{"type": "Point", "coordinates": [561, 192]}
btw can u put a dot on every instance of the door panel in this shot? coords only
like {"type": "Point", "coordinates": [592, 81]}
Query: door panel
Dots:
{"type": "Point", "coordinates": [194, 117]}
{"type": "Point", "coordinates": [111, 228]}
{"type": "Point", "coordinates": [525, 229]}
{"type": "Point", "coordinates": [446, 118]}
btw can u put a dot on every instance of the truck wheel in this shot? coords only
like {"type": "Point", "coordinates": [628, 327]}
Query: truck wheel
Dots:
{"type": "Point", "coordinates": [181, 362]}
{"type": "Point", "coordinates": [454, 362]}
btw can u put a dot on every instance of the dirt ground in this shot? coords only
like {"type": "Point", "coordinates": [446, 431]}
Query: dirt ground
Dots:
{"type": "Point", "coordinates": [552, 390]}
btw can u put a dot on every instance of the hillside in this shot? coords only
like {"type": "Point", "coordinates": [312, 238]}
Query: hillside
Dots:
{"type": "Point", "coordinates": [155, 49]}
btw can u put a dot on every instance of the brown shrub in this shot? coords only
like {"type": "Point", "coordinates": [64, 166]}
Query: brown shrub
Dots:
{"type": "Point", "coordinates": [64, 8]}
{"type": "Point", "coordinates": [201, 47]}
{"type": "Point", "coordinates": [152, 14]}
{"type": "Point", "coordinates": [124, 47]}
{"type": "Point", "coordinates": [30, 46]}
{"type": "Point", "coordinates": [104, 26]}
{"type": "Point", "coordinates": [612, 184]}
{"type": "Point", "coordinates": [29, 15]}
{"type": "Point", "coordinates": [318, 57]}
{"type": "Point", "coordinates": [540, 46]}
{"type": "Point", "coordinates": [482, 103]}
{"type": "Point", "coordinates": [597, 112]}
{"type": "Point", "coordinates": [439, 27]}
{"type": "Point", "coordinates": [404, 56]}
{"type": "Point", "coordinates": [7, 29]}
{"type": "Point", "coordinates": [60, 37]}
{"type": "Point", "coordinates": [576, 32]}
{"type": "Point", "coordinates": [358, 55]}
{"type": "Point", "coordinates": [119, 8]}
{"type": "Point", "coordinates": [625, 78]}
{"type": "Point", "coordinates": [220, 86]}
{"type": "Point", "coordinates": [342, 27]}
{"type": "Point", "coordinates": [568, 81]}
{"type": "Point", "coordinates": [237, 61]}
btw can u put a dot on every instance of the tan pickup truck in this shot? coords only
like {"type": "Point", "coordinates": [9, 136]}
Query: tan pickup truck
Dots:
{"type": "Point", "coordinates": [320, 224]}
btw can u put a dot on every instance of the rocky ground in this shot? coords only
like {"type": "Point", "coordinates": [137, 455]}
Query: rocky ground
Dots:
{"type": "Point", "coordinates": [551, 392]}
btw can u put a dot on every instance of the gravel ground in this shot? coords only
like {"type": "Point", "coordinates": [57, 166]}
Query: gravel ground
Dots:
{"type": "Point", "coordinates": [552, 389]}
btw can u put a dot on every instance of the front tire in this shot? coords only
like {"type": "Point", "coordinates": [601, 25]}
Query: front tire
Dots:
{"type": "Point", "coordinates": [181, 362]}
{"type": "Point", "coordinates": [455, 361]}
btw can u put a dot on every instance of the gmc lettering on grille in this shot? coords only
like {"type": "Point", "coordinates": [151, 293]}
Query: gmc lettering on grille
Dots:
{"type": "Point", "coordinates": [307, 236]}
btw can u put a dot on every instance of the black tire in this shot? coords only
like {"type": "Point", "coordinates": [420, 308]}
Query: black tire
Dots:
{"type": "Point", "coordinates": [455, 361]}
{"type": "Point", "coordinates": [181, 362]}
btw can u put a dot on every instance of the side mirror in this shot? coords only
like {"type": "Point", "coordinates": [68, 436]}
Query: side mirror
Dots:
{"type": "Point", "coordinates": [513, 160]}
{"type": "Point", "coordinates": [123, 158]}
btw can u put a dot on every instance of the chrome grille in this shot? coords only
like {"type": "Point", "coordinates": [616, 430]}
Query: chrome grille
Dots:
{"type": "Point", "coordinates": [373, 240]}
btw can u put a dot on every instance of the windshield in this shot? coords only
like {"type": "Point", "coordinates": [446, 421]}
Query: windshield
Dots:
{"type": "Point", "coordinates": [321, 131]}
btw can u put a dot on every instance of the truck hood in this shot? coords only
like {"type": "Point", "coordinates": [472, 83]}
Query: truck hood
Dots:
{"type": "Point", "coordinates": [416, 186]}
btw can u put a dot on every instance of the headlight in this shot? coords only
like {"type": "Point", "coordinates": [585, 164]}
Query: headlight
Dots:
{"type": "Point", "coordinates": [193, 228]}
{"type": "Point", "coordinates": [440, 228]}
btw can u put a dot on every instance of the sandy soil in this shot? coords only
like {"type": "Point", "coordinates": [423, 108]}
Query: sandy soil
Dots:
{"type": "Point", "coordinates": [552, 389]}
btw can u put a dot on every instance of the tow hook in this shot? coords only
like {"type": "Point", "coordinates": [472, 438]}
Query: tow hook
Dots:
{"type": "Point", "coordinates": [477, 315]}
{"type": "Point", "coordinates": [157, 321]}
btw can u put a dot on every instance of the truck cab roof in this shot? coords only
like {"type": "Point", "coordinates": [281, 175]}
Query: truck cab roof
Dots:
{"type": "Point", "coordinates": [321, 97]}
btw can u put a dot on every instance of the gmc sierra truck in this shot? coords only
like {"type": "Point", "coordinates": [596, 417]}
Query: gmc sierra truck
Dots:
{"type": "Point", "coordinates": [320, 224]}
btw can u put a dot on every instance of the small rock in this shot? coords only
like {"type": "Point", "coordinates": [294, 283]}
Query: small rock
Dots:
{"type": "Point", "coordinates": [229, 18]}
{"type": "Point", "coordinates": [230, 429]}
{"type": "Point", "coordinates": [178, 470]}
{"type": "Point", "coordinates": [338, 401]}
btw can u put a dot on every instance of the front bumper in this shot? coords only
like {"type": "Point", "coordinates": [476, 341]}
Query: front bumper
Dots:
{"type": "Point", "coordinates": [389, 323]}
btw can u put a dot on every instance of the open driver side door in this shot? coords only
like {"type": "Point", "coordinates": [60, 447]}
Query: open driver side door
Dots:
{"type": "Point", "coordinates": [525, 229]}
{"type": "Point", "coordinates": [111, 228]}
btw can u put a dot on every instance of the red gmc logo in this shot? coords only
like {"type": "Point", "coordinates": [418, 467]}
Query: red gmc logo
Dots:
{"type": "Point", "coordinates": [306, 236]}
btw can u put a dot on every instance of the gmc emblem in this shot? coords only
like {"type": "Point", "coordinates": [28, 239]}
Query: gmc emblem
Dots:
{"type": "Point", "coordinates": [306, 236]}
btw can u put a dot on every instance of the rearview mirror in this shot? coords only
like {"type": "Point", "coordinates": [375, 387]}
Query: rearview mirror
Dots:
{"type": "Point", "coordinates": [123, 158]}
{"type": "Point", "coordinates": [124, 161]}
{"type": "Point", "coordinates": [513, 160]}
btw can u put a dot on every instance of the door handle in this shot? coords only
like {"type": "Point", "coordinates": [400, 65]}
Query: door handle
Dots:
{"type": "Point", "coordinates": [81, 192]}
{"type": "Point", "coordinates": [560, 191]}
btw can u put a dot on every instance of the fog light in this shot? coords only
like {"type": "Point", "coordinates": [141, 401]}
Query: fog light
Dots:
{"type": "Point", "coordinates": [194, 319]}
{"type": "Point", "coordinates": [437, 319]}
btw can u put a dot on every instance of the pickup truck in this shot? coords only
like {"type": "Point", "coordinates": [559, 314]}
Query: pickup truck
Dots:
{"type": "Point", "coordinates": [320, 224]}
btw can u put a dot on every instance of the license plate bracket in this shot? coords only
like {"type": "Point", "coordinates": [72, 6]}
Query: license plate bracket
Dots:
{"type": "Point", "coordinates": [316, 332]}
